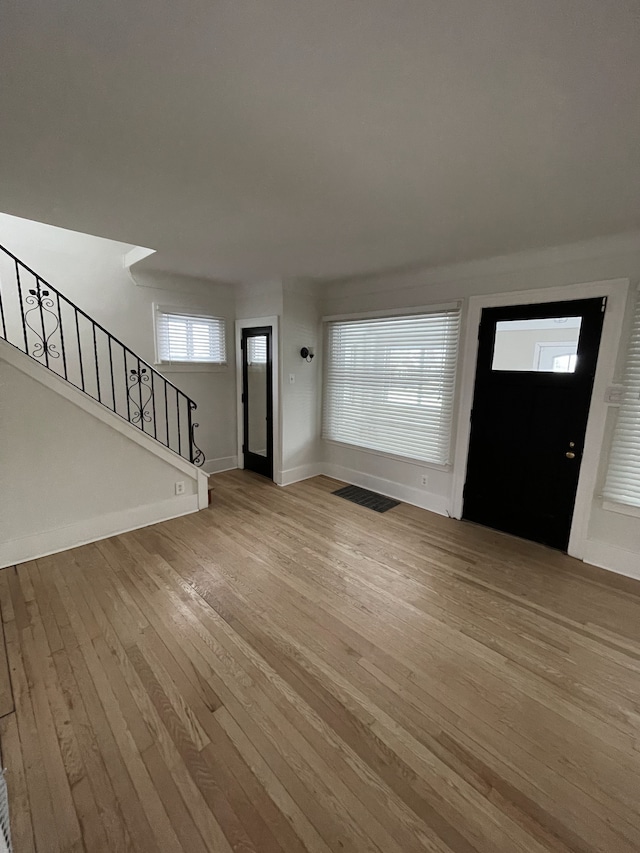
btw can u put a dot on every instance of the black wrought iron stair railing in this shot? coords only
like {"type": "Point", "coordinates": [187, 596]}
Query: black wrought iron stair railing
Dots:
{"type": "Point", "coordinates": [52, 330]}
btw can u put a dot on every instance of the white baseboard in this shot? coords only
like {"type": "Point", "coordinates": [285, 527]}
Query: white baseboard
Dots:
{"type": "Point", "coordinates": [398, 491]}
{"type": "Point", "coordinates": [612, 558]}
{"type": "Point", "coordinates": [91, 530]}
{"type": "Point", "coordinates": [302, 472]}
{"type": "Point", "coordinates": [224, 463]}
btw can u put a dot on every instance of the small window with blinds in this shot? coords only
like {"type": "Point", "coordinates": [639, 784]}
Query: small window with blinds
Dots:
{"type": "Point", "coordinates": [622, 485]}
{"type": "Point", "coordinates": [189, 338]}
{"type": "Point", "coordinates": [389, 384]}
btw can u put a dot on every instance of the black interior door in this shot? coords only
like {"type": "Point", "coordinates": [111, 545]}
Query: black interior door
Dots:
{"type": "Point", "coordinates": [536, 365]}
{"type": "Point", "coordinates": [257, 400]}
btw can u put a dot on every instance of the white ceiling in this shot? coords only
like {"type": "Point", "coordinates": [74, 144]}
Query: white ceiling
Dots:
{"type": "Point", "coordinates": [249, 140]}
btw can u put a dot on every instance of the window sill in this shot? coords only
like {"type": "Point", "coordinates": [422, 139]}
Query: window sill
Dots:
{"type": "Point", "coordinates": [420, 463]}
{"type": "Point", "coordinates": [189, 367]}
{"type": "Point", "coordinates": [622, 509]}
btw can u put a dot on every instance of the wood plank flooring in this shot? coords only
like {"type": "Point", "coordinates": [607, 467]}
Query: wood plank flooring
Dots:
{"type": "Point", "coordinates": [288, 672]}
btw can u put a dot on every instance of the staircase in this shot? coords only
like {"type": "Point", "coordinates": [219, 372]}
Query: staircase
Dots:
{"type": "Point", "coordinates": [38, 320]}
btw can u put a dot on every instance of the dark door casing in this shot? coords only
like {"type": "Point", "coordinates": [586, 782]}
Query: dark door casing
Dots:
{"type": "Point", "coordinates": [257, 400]}
{"type": "Point", "coordinates": [528, 429]}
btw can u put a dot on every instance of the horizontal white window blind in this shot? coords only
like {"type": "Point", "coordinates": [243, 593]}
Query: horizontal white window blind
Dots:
{"type": "Point", "coordinates": [623, 475]}
{"type": "Point", "coordinates": [389, 384]}
{"type": "Point", "coordinates": [257, 350]}
{"type": "Point", "coordinates": [183, 337]}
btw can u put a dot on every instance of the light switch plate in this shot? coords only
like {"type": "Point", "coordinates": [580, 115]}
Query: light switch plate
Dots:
{"type": "Point", "coordinates": [614, 395]}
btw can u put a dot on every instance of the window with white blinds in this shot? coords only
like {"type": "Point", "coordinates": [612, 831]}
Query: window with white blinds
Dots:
{"type": "Point", "coordinates": [623, 475]}
{"type": "Point", "coordinates": [184, 337]}
{"type": "Point", "coordinates": [389, 384]}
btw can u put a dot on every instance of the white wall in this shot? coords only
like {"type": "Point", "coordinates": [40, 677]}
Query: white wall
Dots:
{"type": "Point", "coordinates": [614, 538]}
{"type": "Point", "coordinates": [91, 272]}
{"type": "Point", "coordinates": [69, 477]}
{"type": "Point", "coordinates": [300, 399]}
{"type": "Point", "coordinates": [261, 299]}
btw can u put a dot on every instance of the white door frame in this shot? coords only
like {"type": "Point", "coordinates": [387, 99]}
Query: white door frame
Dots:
{"type": "Point", "coordinates": [616, 291]}
{"type": "Point", "coordinates": [275, 370]}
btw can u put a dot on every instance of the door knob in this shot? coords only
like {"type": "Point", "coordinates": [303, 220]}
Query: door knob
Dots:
{"type": "Point", "coordinates": [570, 454]}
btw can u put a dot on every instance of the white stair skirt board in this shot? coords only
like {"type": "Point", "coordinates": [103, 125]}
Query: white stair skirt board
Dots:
{"type": "Point", "coordinates": [93, 529]}
{"type": "Point", "coordinates": [612, 558]}
{"type": "Point", "coordinates": [417, 497]}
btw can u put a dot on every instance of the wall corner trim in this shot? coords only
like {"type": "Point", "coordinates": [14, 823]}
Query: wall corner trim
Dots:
{"type": "Point", "coordinates": [301, 472]}
{"type": "Point", "coordinates": [216, 466]}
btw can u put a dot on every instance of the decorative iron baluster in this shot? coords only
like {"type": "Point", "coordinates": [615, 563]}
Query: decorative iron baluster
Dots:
{"type": "Point", "coordinates": [4, 325]}
{"type": "Point", "coordinates": [113, 383]}
{"type": "Point", "coordinates": [95, 352]}
{"type": "Point", "coordinates": [153, 400]}
{"type": "Point", "coordinates": [142, 407]}
{"type": "Point", "coordinates": [178, 417]}
{"type": "Point", "coordinates": [196, 455]}
{"type": "Point", "coordinates": [166, 414]}
{"type": "Point", "coordinates": [20, 302]}
{"type": "Point", "coordinates": [64, 353]}
{"type": "Point", "coordinates": [41, 302]}
{"type": "Point", "coordinates": [138, 379]}
{"type": "Point", "coordinates": [79, 348]}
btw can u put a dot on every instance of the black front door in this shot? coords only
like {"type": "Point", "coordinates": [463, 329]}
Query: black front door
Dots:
{"type": "Point", "coordinates": [257, 400]}
{"type": "Point", "coordinates": [536, 365]}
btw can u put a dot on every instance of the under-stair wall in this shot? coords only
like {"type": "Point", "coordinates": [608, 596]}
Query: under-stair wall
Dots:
{"type": "Point", "coordinates": [71, 472]}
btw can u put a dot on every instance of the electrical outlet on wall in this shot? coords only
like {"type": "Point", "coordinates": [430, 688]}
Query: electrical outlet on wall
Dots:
{"type": "Point", "coordinates": [424, 480]}
{"type": "Point", "coordinates": [179, 487]}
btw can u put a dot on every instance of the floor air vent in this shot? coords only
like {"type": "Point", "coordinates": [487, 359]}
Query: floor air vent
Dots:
{"type": "Point", "coordinates": [362, 497]}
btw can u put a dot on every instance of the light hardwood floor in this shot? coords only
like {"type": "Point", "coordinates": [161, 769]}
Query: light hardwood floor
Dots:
{"type": "Point", "coordinates": [286, 671]}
